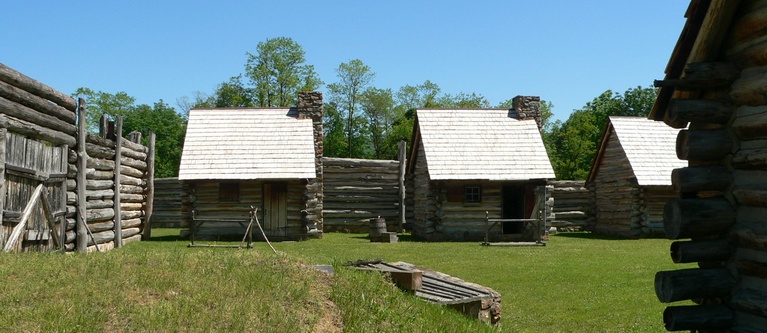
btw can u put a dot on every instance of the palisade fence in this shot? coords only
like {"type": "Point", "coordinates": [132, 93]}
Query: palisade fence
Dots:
{"type": "Point", "coordinates": [63, 188]}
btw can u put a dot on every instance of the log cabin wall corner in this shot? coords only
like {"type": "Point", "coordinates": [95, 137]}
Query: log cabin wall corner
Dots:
{"type": "Point", "coordinates": [714, 86]}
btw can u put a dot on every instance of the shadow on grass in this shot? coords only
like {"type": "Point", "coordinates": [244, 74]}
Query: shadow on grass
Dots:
{"type": "Point", "coordinates": [167, 238]}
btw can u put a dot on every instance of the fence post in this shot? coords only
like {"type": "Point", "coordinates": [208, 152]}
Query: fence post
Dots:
{"type": "Point", "coordinates": [149, 188]}
{"type": "Point", "coordinates": [82, 157]}
{"type": "Point", "coordinates": [402, 162]}
{"type": "Point", "coordinates": [3, 189]}
{"type": "Point", "coordinates": [118, 228]}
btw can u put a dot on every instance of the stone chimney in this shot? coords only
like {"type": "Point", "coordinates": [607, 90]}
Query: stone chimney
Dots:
{"type": "Point", "coordinates": [310, 107]}
{"type": "Point", "coordinates": [528, 107]}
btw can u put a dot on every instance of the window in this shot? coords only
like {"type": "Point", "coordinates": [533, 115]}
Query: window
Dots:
{"type": "Point", "coordinates": [229, 191]}
{"type": "Point", "coordinates": [472, 194]}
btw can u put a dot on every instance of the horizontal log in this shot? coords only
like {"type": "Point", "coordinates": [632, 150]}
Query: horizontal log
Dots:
{"type": "Point", "coordinates": [693, 283]}
{"type": "Point", "coordinates": [99, 174]}
{"type": "Point", "coordinates": [128, 180]}
{"type": "Point", "coordinates": [97, 151]}
{"type": "Point", "coordinates": [703, 76]}
{"type": "Point", "coordinates": [134, 163]}
{"type": "Point", "coordinates": [100, 194]}
{"type": "Point", "coordinates": [101, 237]}
{"type": "Point", "coordinates": [134, 146]}
{"type": "Point", "coordinates": [101, 226]}
{"type": "Point", "coordinates": [130, 232]}
{"type": "Point", "coordinates": [751, 301]}
{"type": "Point", "coordinates": [131, 205]}
{"type": "Point", "coordinates": [30, 85]}
{"type": "Point", "coordinates": [101, 214]}
{"type": "Point", "coordinates": [100, 164]}
{"type": "Point", "coordinates": [750, 236]}
{"type": "Point", "coordinates": [703, 145]}
{"type": "Point", "coordinates": [750, 159]}
{"type": "Point", "coordinates": [749, 53]}
{"type": "Point", "coordinates": [36, 131]}
{"type": "Point", "coordinates": [750, 88]}
{"type": "Point", "coordinates": [35, 102]}
{"type": "Point", "coordinates": [131, 189]}
{"type": "Point", "coordinates": [99, 141]}
{"type": "Point", "coordinates": [138, 155]}
{"type": "Point", "coordinates": [700, 111]}
{"type": "Point", "coordinates": [751, 127]}
{"type": "Point", "coordinates": [351, 162]}
{"type": "Point", "coordinates": [750, 196]}
{"type": "Point", "coordinates": [695, 251]}
{"type": "Point", "coordinates": [131, 214]}
{"type": "Point", "coordinates": [752, 24]}
{"type": "Point", "coordinates": [99, 184]}
{"type": "Point", "coordinates": [692, 218]}
{"type": "Point", "coordinates": [95, 204]}
{"type": "Point", "coordinates": [698, 317]}
{"type": "Point", "coordinates": [131, 223]}
{"type": "Point", "coordinates": [29, 115]}
{"type": "Point", "coordinates": [702, 178]}
{"type": "Point", "coordinates": [130, 171]}
{"type": "Point", "coordinates": [131, 197]}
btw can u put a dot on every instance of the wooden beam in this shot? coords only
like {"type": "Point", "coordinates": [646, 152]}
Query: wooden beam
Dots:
{"type": "Point", "coordinates": [702, 76]}
{"type": "Point", "coordinates": [696, 251]}
{"type": "Point", "coordinates": [33, 116]}
{"type": "Point", "coordinates": [700, 111]}
{"type": "Point", "coordinates": [82, 161]}
{"type": "Point", "coordinates": [703, 145]}
{"type": "Point", "coordinates": [149, 188]}
{"type": "Point", "coordinates": [3, 186]}
{"type": "Point", "coordinates": [35, 131]}
{"type": "Point", "coordinates": [26, 83]}
{"type": "Point", "coordinates": [117, 181]}
{"type": "Point", "coordinates": [691, 218]}
{"type": "Point", "coordinates": [693, 283]}
{"type": "Point", "coordinates": [701, 178]}
{"type": "Point", "coordinates": [402, 149]}
{"type": "Point", "coordinates": [698, 317]}
{"type": "Point", "coordinates": [26, 213]}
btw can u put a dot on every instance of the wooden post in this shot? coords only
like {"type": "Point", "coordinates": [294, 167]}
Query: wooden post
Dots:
{"type": "Point", "coordinates": [82, 160]}
{"type": "Point", "coordinates": [693, 283]}
{"type": "Point", "coordinates": [3, 188]}
{"type": "Point", "coordinates": [694, 251]}
{"type": "Point", "coordinates": [63, 200]}
{"type": "Point", "coordinates": [402, 163]}
{"type": "Point", "coordinates": [691, 218]}
{"type": "Point", "coordinates": [149, 188]}
{"type": "Point", "coordinates": [118, 229]}
{"type": "Point", "coordinates": [698, 317]}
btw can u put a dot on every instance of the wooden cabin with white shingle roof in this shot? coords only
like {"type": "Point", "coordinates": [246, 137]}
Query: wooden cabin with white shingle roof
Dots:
{"type": "Point", "coordinates": [630, 180]}
{"type": "Point", "coordinates": [269, 158]}
{"type": "Point", "coordinates": [471, 165]}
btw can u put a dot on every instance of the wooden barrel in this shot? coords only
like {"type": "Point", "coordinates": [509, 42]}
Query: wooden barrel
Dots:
{"type": "Point", "coordinates": [377, 227]}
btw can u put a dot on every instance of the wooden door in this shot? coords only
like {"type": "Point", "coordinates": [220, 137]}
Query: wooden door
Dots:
{"type": "Point", "coordinates": [27, 164]}
{"type": "Point", "coordinates": [275, 208]}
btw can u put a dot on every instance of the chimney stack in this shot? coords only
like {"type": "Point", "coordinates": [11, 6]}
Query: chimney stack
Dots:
{"type": "Point", "coordinates": [310, 107]}
{"type": "Point", "coordinates": [528, 107]}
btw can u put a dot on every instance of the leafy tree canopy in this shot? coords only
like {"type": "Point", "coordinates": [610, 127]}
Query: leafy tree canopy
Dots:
{"type": "Point", "coordinates": [278, 71]}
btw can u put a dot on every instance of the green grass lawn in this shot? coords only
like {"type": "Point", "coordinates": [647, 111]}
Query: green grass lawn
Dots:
{"type": "Point", "coordinates": [578, 283]}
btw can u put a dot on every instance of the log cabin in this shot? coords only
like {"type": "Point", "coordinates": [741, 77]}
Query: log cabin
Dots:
{"type": "Point", "coordinates": [471, 165]}
{"type": "Point", "coordinates": [268, 158]}
{"type": "Point", "coordinates": [630, 179]}
{"type": "Point", "coordinates": [715, 86]}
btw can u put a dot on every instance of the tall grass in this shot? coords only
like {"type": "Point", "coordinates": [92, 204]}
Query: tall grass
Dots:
{"type": "Point", "coordinates": [578, 283]}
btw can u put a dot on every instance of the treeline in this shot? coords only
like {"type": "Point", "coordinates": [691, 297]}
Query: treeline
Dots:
{"type": "Point", "coordinates": [361, 120]}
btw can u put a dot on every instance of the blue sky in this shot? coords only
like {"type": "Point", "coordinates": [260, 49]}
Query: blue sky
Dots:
{"type": "Point", "coordinates": [567, 52]}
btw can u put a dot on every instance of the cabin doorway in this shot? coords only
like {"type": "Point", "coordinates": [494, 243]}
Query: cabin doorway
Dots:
{"type": "Point", "coordinates": [275, 208]}
{"type": "Point", "coordinates": [513, 208]}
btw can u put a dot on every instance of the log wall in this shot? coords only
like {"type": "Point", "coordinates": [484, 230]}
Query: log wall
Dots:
{"type": "Point", "coordinates": [721, 209]}
{"type": "Point", "coordinates": [101, 191]}
{"type": "Point", "coordinates": [571, 206]}
{"type": "Point", "coordinates": [169, 203]}
{"type": "Point", "coordinates": [357, 190]}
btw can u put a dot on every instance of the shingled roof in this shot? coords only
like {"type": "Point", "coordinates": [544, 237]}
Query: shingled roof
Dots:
{"type": "Point", "coordinates": [480, 144]}
{"type": "Point", "coordinates": [250, 143]}
{"type": "Point", "coordinates": [650, 148]}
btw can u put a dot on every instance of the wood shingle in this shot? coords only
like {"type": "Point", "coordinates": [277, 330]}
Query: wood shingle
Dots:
{"type": "Point", "coordinates": [248, 143]}
{"type": "Point", "coordinates": [481, 144]}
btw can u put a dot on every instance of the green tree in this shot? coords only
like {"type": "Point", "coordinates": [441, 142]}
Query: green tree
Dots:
{"type": "Point", "coordinates": [334, 141]}
{"type": "Point", "coordinates": [169, 128]}
{"type": "Point", "coordinates": [233, 94]}
{"type": "Point", "coordinates": [573, 143]}
{"type": "Point", "coordinates": [463, 101]}
{"type": "Point", "coordinates": [278, 71]}
{"type": "Point", "coordinates": [354, 77]}
{"type": "Point", "coordinates": [99, 103]}
{"type": "Point", "coordinates": [378, 107]}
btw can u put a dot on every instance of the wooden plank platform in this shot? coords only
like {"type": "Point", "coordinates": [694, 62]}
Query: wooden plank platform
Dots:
{"type": "Point", "coordinates": [474, 300]}
{"type": "Point", "coordinates": [515, 244]}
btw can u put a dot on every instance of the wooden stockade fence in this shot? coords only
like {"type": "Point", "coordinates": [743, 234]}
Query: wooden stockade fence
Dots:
{"type": "Point", "coordinates": [357, 190]}
{"type": "Point", "coordinates": [571, 205]}
{"type": "Point", "coordinates": [62, 187]}
{"type": "Point", "coordinates": [169, 201]}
